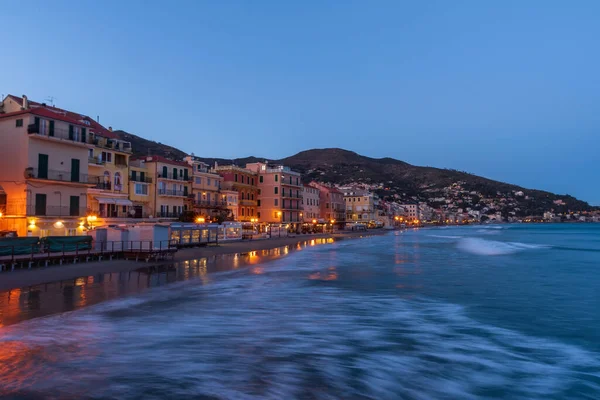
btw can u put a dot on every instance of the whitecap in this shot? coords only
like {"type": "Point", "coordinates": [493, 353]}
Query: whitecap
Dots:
{"type": "Point", "coordinates": [494, 248]}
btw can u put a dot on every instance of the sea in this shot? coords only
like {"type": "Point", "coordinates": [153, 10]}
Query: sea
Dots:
{"type": "Point", "coordinates": [474, 312]}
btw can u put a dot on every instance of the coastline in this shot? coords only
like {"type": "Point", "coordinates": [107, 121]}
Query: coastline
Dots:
{"type": "Point", "coordinates": [39, 276]}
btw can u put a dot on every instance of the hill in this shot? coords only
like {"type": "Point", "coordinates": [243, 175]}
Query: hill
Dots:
{"type": "Point", "coordinates": [394, 178]}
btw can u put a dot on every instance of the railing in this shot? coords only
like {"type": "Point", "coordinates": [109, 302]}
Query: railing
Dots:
{"type": "Point", "coordinates": [114, 145]}
{"type": "Point", "coordinates": [166, 192]}
{"type": "Point", "coordinates": [291, 196]}
{"type": "Point", "coordinates": [57, 211]}
{"type": "Point", "coordinates": [96, 161]}
{"type": "Point", "coordinates": [212, 203]}
{"type": "Point", "coordinates": [43, 252]}
{"type": "Point", "coordinates": [292, 208]}
{"type": "Point", "coordinates": [63, 176]}
{"type": "Point", "coordinates": [168, 215]}
{"type": "Point", "coordinates": [139, 179]}
{"type": "Point", "coordinates": [175, 177]}
{"type": "Point", "coordinates": [58, 133]}
{"type": "Point", "coordinates": [248, 202]}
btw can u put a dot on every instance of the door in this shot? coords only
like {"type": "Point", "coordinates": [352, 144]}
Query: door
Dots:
{"type": "Point", "coordinates": [51, 128]}
{"type": "Point", "coordinates": [71, 132]}
{"type": "Point", "coordinates": [164, 173]}
{"type": "Point", "coordinates": [42, 166]}
{"type": "Point", "coordinates": [40, 204]}
{"type": "Point", "coordinates": [74, 170]}
{"type": "Point", "coordinates": [185, 175]}
{"type": "Point", "coordinates": [74, 206]}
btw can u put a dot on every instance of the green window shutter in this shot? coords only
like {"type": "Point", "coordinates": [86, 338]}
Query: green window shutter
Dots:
{"type": "Point", "coordinates": [142, 176]}
{"type": "Point", "coordinates": [42, 166]}
{"type": "Point", "coordinates": [37, 121]}
{"type": "Point", "coordinates": [276, 178]}
{"type": "Point", "coordinates": [51, 128]}
{"type": "Point", "coordinates": [164, 173]}
{"type": "Point", "coordinates": [74, 206]}
{"type": "Point", "coordinates": [185, 191]}
{"type": "Point", "coordinates": [40, 204]}
{"type": "Point", "coordinates": [133, 175]}
{"type": "Point", "coordinates": [83, 131]}
{"type": "Point", "coordinates": [71, 135]}
{"type": "Point", "coordinates": [185, 174]}
{"type": "Point", "coordinates": [74, 170]}
{"type": "Point", "coordinates": [174, 173]}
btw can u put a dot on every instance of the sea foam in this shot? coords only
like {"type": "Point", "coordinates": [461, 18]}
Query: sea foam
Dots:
{"type": "Point", "coordinates": [494, 248]}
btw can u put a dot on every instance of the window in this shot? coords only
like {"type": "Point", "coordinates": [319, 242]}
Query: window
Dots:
{"type": "Point", "coordinates": [71, 231]}
{"type": "Point", "coordinates": [141, 190]}
{"type": "Point", "coordinates": [208, 181]}
{"type": "Point", "coordinates": [276, 202]}
{"type": "Point", "coordinates": [276, 189]}
{"type": "Point", "coordinates": [198, 180]}
{"type": "Point", "coordinates": [235, 177]}
{"type": "Point", "coordinates": [90, 153]}
{"type": "Point", "coordinates": [252, 181]}
{"type": "Point", "coordinates": [216, 183]}
{"type": "Point", "coordinates": [242, 211]}
{"type": "Point", "coordinates": [276, 177]}
{"type": "Point", "coordinates": [260, 179]}
{"type": "Point", "coordinates": [258, 214]}
{"type": "Point", "coordinates": [258, 202]}
{"type": "Point", "coordinates": [19, 123]}
{"type": "Point", "coordinates": [118, 182]}
{"type": "Point", "coordinates": [106, 157]}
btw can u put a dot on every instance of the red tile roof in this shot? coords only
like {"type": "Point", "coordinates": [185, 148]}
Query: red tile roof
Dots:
{"type": "Point", "coordinates": [61, 115]}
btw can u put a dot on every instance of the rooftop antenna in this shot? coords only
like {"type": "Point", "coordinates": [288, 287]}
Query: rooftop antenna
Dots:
{"type": "Point", "coordinates": [50, 100]}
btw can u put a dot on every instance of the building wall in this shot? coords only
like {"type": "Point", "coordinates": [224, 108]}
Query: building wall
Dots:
{"type": "Point", "coordinates": [359, 207]}
{"type": "Point", "coordinates": [231, 197]}
{"type": "Point", "coordinates": [245, 183]}
{"type": "Point", "coordinates": [311, 204]}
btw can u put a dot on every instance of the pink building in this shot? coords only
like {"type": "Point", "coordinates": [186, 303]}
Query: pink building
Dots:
{"type": "Point", "coordinates": [331, 201]}
{"type": "Point", "coordinates": [311, 204]}
{"type": "Point", "coordinates": [280, 197]}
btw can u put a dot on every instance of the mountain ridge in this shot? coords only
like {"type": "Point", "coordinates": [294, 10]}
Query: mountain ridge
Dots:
{"type": "Point", "coordinates": [401, 181]}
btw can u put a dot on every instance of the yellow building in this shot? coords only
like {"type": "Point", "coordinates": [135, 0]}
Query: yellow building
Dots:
{"type": "Point", "coordinates": [44, 168]}
{"type": "Point", "coordinates": [208, 201]}
{"type": "Point", "coordinates": [108, 199]}
{"type": "Point", "coordinates": [169, 187]}
{"type": "Point", "coordinates": [141, 189]}
{"type": "Point", "coordinates": [360, 205]}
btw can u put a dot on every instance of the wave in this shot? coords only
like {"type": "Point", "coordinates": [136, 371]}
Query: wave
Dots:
{"type": "Point", "coordinates": [279, 343]}
{"type": "Point", "coordinates": [445, 236]}
{"type": "Point", "coordinates": [494, 248]}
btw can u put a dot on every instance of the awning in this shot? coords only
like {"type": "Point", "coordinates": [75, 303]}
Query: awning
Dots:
{"type": "Point", "coordinates": [112, 200]}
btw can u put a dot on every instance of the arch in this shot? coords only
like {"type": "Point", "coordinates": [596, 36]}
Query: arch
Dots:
{"type": "Point", "coordinates": [118, 181]}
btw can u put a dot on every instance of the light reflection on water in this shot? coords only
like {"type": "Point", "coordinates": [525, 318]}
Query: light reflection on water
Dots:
{"type": "Point", "coordinates": [21, 304]}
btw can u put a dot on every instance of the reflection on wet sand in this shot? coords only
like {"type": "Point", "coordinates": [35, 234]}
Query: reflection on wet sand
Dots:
{"type": "Point", "coordinates": [21, 304]}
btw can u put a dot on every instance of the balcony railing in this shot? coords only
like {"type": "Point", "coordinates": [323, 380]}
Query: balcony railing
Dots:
{"type": "Point", "coordinates": [139, 179]}
{"type": "Point", "coordinates": [212, 203]}
{"type": "Point", "coordinates": [58, 133]}
{"type": "Point", "coordinates": [56, 211]}
{"type": "Point", "coordinates": [248, 202]}
{"type": "Point", "coordinates": [175, 177]}
{"type": "Point", "coordinates": [62, 176]}
{"type": "Point", "coordinates": [298, 207]}
{"type": "Point", "coordinates": [114, 145]}
{"type": "Point", "coordinates": [291, 196]}
{"type": "Point", "coordinates": [168, 215]}
{"type": "Point", "coordinates": [96, 161]}
{"type": "Point", "coordinates": [166, 192]}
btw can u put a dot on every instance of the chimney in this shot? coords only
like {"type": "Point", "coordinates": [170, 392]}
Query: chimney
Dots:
{"type": "Point", "coordinates": [25, 103]}
{"type": "Point", "coordinates": [98, 118]}
{"type": "Point", "coordinates": [110, 128]}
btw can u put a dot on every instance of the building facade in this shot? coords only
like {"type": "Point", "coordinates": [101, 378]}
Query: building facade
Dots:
{"type": "Point", "coordinates": [44, 163]}
{"type": "Point", "coordinates": [232, 199]}
{"type": "Point", "coordinates": [311, 204]}
{"type": "Point", "coordinates": [207, 200]}
{"type": "Point", "coordinates": [332, 203]}
{"type": "Point", "coordinates": [360, 205]}
{"type": "Point", "coordinates": [245, 183]}
{"type": "Point", "coordinates": [280, 196]}
{"type": "Point", "coordinates": [170, 186]}
{"type": "Point", "coordinates": [411, 211]}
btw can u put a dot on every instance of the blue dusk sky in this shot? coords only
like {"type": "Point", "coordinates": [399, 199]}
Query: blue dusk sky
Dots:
{"type": "Point", "coordinates": [508, 89]}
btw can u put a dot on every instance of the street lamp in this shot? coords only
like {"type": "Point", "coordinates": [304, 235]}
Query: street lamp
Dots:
{"type": "Point", "coordinates": [332, 222]}
{"type": "Point", "coordinates": [200, 220]}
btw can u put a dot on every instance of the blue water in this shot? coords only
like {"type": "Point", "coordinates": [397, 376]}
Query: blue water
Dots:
{"type": "Point", "coordinates": [498, 312]}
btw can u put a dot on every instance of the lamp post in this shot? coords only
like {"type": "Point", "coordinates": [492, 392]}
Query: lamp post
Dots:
{"type": "Point", "coordinates": [332, 222]}
{"type": "Point", "coordinates": [280, 222]}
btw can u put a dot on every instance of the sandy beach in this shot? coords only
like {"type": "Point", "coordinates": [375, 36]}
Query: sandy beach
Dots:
{"type": "Point", "coordinates": [36, 276]}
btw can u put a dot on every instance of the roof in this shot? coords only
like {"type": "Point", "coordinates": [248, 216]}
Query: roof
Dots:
{"type": "Point", "coordinates": [59, 114]}
{"type": "Point", "coordinates": [160, 159]}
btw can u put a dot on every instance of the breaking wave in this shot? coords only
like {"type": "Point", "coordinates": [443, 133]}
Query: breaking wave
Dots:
{"type": "Point", "coordinates": [494, 248]}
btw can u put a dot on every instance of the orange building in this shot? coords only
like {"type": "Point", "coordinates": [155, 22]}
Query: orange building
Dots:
{"type": "Point", "coordinates": [280, 196]}
{"type": "Point", "coordinates": [245, 183]}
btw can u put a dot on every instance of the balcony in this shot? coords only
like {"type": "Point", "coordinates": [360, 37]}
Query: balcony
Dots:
{"type": "Point", "coordinates": [57, 133]}
{"type": "Point", "coordinates": [96, 161]}
{"type": "Point", "coordinates": [113, 144]}
{"type": "Point", "coordinates": [168, 215]}
{"type": "Point", "coordinates": [252, 203]}
{"type": "Point", "coordinates": [166, 192]}
{"type": "Point", "coordinates": [174, 177]}
{"type": "Point", "coordinates": [139, 179]}
{"type": "Point", "coordinates": [290, 196]}
{"type": "Point", "coordinates": [298, 207]}
{"type": "Point", "coordinates": [210, 204]}
{"type": "Point", "coordinates": [287, 182]}
{"type": "Point", "coordinates": [56, 211]}
{"type": "Point", "coordinates": [61, 176]}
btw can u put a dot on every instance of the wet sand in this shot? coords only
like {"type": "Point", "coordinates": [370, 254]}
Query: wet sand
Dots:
{"type": "Point", "coordinates": [37, 276]}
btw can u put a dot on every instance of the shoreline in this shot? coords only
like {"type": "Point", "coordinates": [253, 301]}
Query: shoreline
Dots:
{"type": "Point", "coordinates": [31, 277]}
